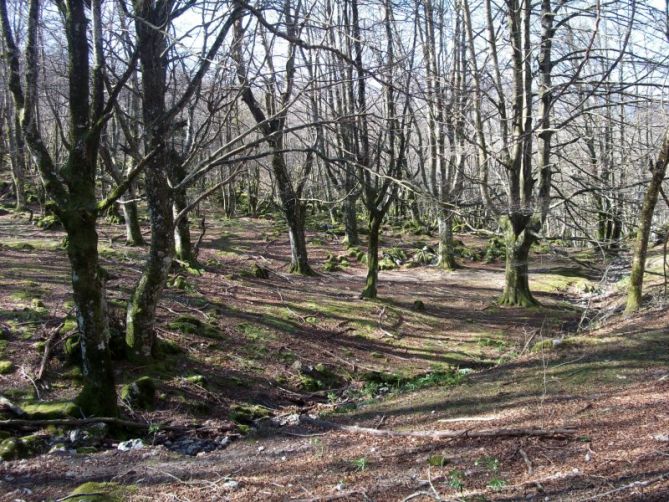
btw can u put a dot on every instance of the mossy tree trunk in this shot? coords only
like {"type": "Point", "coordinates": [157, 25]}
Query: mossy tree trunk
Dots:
{"type": "Point", "coordinates": [17, 160]}
{"type": "Point", "coordinates": [92, 319]}
{"type": "Point", "coordinates": [658, 171]}
{"type": "Point", "coordinates": [518, 238]}
{"type": "Point", "coordinates": [446, 259]}
{"type": "Point", "coordinates": [140, 317]}
{"type": "Point", "coordinates": [371, 283]}
{"type": "Point", "coordinates": [141, 313]}
{"type": "Point", "coordinates": [71, 188]}
{"type": "Point", "coordinates": [293, 211]}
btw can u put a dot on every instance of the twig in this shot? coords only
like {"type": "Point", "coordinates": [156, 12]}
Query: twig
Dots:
{"type": "Point", "coordinates": [635, 484]}
{"type": "Point", "coordinates": [47, 351]}
{"type": "Point", "coordinates": [527, 460]}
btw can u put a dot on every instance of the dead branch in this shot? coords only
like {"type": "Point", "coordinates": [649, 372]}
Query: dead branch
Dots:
{"type": "Point", "coordinates": [17, 423]}
{"type": "Point", "coordinates": [443, 434]}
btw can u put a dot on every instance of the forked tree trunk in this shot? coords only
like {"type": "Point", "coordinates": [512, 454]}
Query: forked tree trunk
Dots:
{"type": "Point", "coordinates": [446, 259]}
{"type": "Point", "coordinates": [371, 283]}
{"type": "Point", "coordinates": [516, 277]}
{"type": "Point", "coordinates": [140, 319]}
{"type": "Point", "coordinates": [92, 320]}
{"type": "Point", "coordinates": [294, 214]}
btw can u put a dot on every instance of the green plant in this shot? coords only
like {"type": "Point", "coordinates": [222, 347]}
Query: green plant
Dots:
{"type": "Point", "coordinates": [360, 464]}
{"type": "Point", "coordinates": [456, 479]}
{"type": "Point", "coordinates": [490, 463]}
{"type": "Point", "coordinates": [497, 484]}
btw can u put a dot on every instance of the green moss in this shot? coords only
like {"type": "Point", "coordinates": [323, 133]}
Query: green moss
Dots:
{"type": "Point", "coordinates": [192, 326]}
{"type": "Point", "coordinates": [318, 378]}
{"type": "Point", "coordinates": [10, 449]}
{"type": "Point", "coordinates": [72, 349]}
{"type": "Point", "coordinates": [247, 413]}
{"type": "Point", "coordinates": [100, 492]}
{"type": "Point", "coordinates": [49, 409]}
{"type": "Point", "coordinates": [196, 379]}
{"type": "Point", "coordinates": [69, 324]}
{"type": "Point", "coordinates": [6, 367]}
{"type": "Point", "coordinates": [386, 263]}
{"type": "Point", "coordinates": [140, 394]}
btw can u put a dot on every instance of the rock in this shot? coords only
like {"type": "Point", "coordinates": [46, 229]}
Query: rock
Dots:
{"type": "Point", "coordinates": [10, 449]}
{"type": "Point", "coordinates": [284, 420]}
{"type": "Point", "coordinates": [77, 435]}
{"type": "Point", "coordinates": [50, 409]}
{"type": "Point", "coordinates": [58, 449]}
{"type": "Point", "coordinates": [6, 367]}
{"type": "Point", "coordinates": [418, 306]}
{"type": "Point", "coordinates": [140, 394]}
{"type": "Point", "coordinates": [231, 485]}
{"type": "Point", "coordinates": [195, 446]}
{"type": "Point", "coordinates": [131, 444]}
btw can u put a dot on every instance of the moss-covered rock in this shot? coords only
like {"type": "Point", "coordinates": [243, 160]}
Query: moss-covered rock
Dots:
{"type": "Point", "coordinates": [193, 326]}
{"type": "Point", "coordinates": [418, 306]}
{"type": "Point", "coordinates": [49, 409]}
{"type": "Point", "coordinates": [247, 413]}
{"type": "Point", "coordinates": [6, 367]}
{"type": "Point", "coordinates": [100, 492]}
{"type": "Point", "coordinates": [196, 380]}
{"type": "Point", "coordinates": [10, 449]}
{"type": "Point", "coordinates": [140, 394]}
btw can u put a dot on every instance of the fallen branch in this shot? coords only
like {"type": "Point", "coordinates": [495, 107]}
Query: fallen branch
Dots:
{"type": "Point", "coordinates": [76, 422]}
{"type": "Point", "coordinates": [441, 434]}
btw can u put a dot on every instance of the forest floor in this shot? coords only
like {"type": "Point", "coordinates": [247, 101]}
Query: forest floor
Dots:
{"type": "Point", "coordinates": [265, 366]}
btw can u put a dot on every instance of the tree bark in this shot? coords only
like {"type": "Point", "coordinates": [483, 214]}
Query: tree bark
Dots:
{"type": "Point", "coordinates": [658, 172]}
{"type": "Point", "coordinates": [351, 237]}
{"type": "Point", "coordinates": [518, 240]}
{"type": "Point", "coordinates": [140, 335]}
{"type": "Point", "coordinates": [374, 226]}
{"type": "Point", "coordinates": [446, 259]}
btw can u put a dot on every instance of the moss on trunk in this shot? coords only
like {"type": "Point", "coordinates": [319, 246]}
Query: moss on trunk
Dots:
{"type": "Point", "coordinates": [518, 240]}
{"type": "Point", "coordinates": [370, 289]}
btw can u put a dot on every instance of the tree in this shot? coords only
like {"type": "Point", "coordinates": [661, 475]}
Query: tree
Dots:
{"type": "Point", "coordinates": [658, 171]}
{"type": "Point", "coordinates": [71, 186]}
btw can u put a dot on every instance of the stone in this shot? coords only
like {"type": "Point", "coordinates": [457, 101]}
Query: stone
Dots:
{"type": "Point", "coordinates": [140, 394]}
{"type": "Point", "coordinates": [131, 444]}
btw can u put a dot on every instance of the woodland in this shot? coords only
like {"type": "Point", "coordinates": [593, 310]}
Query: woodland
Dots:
{"type": "Point", "coordinates": [320, 250]}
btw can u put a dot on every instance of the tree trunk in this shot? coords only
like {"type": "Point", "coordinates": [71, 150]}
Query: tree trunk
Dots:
{"type": "Point", "coordinates": [351, 237]}
{"type": "Point", "coordinates": [18, 162]}
{"type": "Point", "coordinates": [133, 231]}
{"type": "Point", "coordinates": [183, 249]}
{"type": "Point", "coordinates": [643, 233]}
{"type": "Point", "coordinates": [516, 278]}
{"type": "Point", "coordinates": [140, 335]}
{"type": "Point", "coordinates": [92, 320]}
{"type": "Point", "coordinates": [446, 245]}
{"type": "Point", "coordinates": [293, 212]}
{"type": "Point", "coordinates": [374, 225]}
